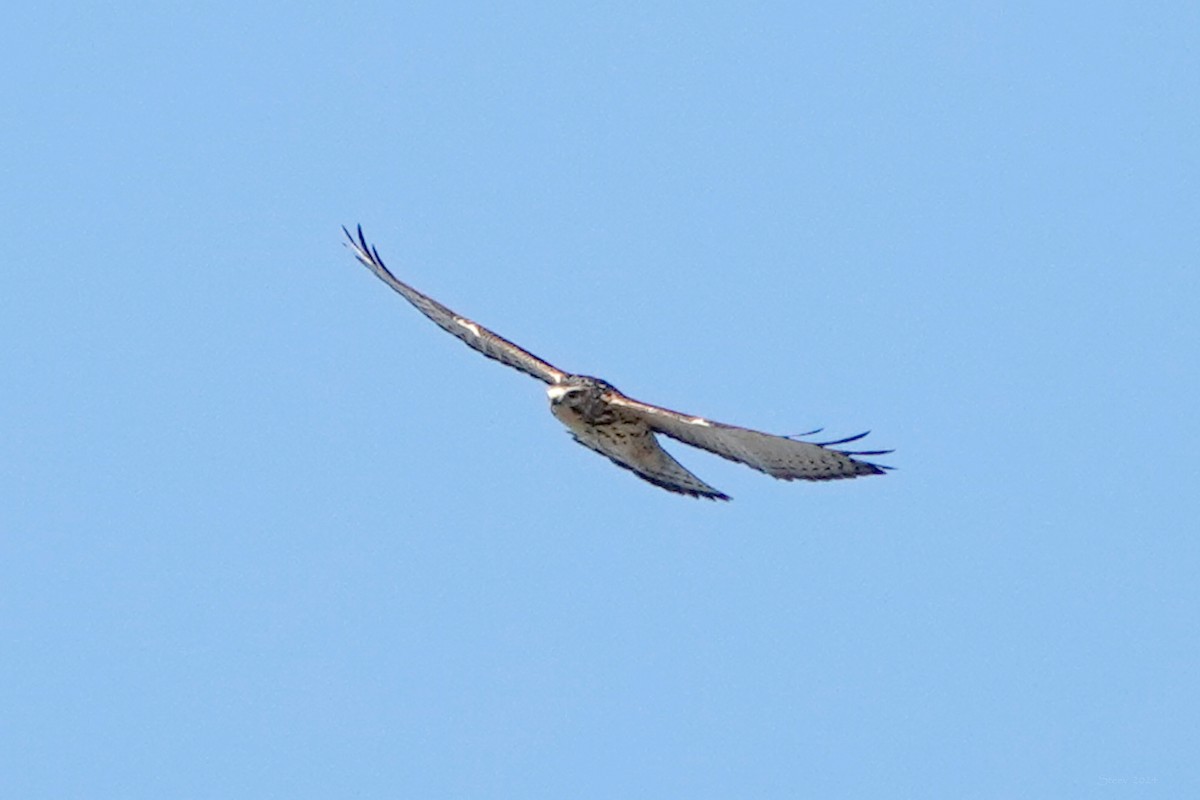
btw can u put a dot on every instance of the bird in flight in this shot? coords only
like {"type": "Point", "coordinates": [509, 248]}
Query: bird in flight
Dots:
{"type": "Point", "coordinates": [623, 429]}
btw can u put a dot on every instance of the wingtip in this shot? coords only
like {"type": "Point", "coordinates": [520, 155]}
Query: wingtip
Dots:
{"type": "Point", "coordinates": [363, 251]}
{"type": "Point", "coordinates": [352, 241]}
{"type": "Point", "coordinates": [869, 468]}
{"type": "Point", "coordinates": [847, 440]}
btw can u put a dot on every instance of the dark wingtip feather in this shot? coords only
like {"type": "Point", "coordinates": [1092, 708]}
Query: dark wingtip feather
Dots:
{"type": "Point", "coordinates": [357, 242]}
{"type": "Point", "coordinates": [365, 252]}
{"type": "Point", "coordinates": [854, 438]}
{"type": "Point", "coordinates": [813, 432]}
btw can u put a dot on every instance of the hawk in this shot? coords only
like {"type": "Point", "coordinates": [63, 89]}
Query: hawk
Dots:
{"type": "Point", "coordinates": [623, 429]}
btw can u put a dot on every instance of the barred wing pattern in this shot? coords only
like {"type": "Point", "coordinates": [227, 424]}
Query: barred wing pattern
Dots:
{"type": "Point", "coordinates": [778, 456]}
{"type": "Point", "coordinates": [476, 336]}
{"type": "Point", "coordinates": [635, 448]}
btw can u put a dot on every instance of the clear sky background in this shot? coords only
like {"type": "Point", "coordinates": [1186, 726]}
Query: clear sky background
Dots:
{"type": "Point", "coordinates": [267, 532]}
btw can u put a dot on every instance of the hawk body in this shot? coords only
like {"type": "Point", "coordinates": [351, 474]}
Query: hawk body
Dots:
{"type": "Point", "coordinates": [583, 404]}
{"type": "Point", "coordinates": [624, 430]}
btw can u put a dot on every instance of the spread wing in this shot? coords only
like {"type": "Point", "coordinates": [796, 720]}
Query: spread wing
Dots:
{"type": "Point", "coordinates": [630, 443]}
{"type": "Point", "coordinates": [778, 456]}
{"type": "Point", "coordinates": [476, 336]}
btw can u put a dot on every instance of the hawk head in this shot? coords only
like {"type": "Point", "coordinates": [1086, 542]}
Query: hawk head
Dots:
{"type": "Point", "coordinates": [580, 393]}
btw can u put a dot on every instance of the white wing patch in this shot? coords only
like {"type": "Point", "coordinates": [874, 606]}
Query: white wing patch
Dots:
{"type": "Point", "coordinates": [471, 326]}
{"type": "Point", "coordinates": [700, 421]}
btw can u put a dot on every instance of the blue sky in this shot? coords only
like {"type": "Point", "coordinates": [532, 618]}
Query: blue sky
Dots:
{"type": "Point", "coordinates": [266, 532]}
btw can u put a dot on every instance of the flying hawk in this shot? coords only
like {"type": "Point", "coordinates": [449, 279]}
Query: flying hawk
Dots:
{"type": "Point", "coordinates": [623, 429]}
